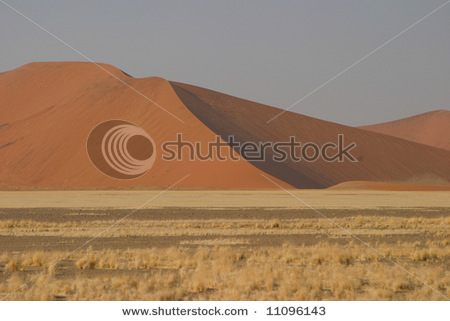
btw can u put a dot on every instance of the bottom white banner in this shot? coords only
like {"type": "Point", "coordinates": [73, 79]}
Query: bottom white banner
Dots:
{"type": "Point", "coordinates": [230, 310]}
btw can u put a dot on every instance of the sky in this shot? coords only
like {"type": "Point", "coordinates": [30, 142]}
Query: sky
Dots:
{"type": "Point", "coordinates": [271, 52]}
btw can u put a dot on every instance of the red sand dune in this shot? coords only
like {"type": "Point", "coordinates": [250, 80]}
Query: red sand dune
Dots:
{"type": "Point", "coordinates": [381, 157]}
{"type": "Point", "coordinates": [432, 128]}
{"type": "Point", "coordinates": [48, 109]}
{"type": "Point", "coordinates": [380, 186]}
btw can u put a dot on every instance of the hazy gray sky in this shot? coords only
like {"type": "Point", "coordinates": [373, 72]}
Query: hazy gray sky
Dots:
{"type": "Point", "coordinates": [272, 52]}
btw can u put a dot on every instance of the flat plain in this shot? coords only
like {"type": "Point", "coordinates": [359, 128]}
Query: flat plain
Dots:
{"type": "Point", "coordinates": [224, 245]}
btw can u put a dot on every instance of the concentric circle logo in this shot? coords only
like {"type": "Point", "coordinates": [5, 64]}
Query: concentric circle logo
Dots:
{"type": "Point", "coordinates": [121, 149]}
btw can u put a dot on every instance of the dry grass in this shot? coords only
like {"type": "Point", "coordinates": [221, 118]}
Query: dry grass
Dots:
{"type": "Point", "coordinates": [358, 225]}
{"type": "Point", "coordinates": [323, 271]}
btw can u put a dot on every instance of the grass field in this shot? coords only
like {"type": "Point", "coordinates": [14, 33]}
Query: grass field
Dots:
{"type": "Point", "coordinates": [225, 245]}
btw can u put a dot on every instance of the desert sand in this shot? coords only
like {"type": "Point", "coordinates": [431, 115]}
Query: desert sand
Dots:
{"type": "Point", "coordinates": [49, 109]}
{"type": "Point", "coordinates": [222, 199]}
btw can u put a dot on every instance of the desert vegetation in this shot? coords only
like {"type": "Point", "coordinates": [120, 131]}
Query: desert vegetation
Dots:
{"type": "Point", "coordinates": [321, 271]}
{"type": "Point", "coordinates": [359, 225]}
{"type": "Point", "coordinates": [247, 254]}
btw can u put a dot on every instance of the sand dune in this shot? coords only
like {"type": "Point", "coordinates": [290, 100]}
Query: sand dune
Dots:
{"type": "Point", "coordinates": [432, 128]}
{"type": "Point", "coordinates": [47, 111]}
{"type": "Point", "coordinates": [380, 157]}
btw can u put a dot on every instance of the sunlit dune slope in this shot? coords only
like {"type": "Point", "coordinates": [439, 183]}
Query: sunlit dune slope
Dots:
{"type": "Point", "coordinates": [432, 128]}
{"type": "Point", "coordinates": [47, 111]}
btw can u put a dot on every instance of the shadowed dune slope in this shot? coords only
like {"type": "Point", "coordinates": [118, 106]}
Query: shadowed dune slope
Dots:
{"type": "Point", "coordinates": [432, 128]}
{"type": "Point", "coordinates": [47, 111]}
{"type": "Point", "coordinates": [380, 186]}
{"type": "Point", "coordinates": [380, 157]}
